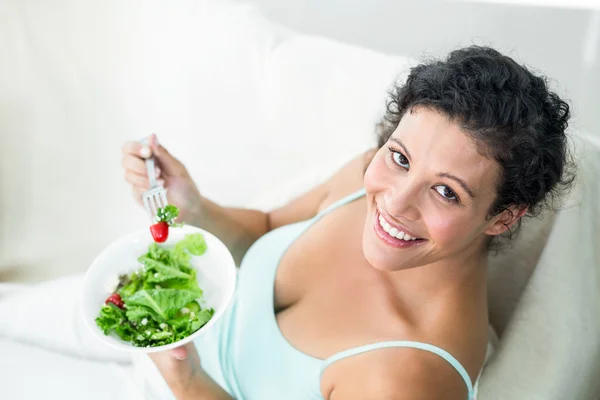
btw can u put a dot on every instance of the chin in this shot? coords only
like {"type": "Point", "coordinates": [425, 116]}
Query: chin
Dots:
{"type": "Point", "coordinates": [380, 258]}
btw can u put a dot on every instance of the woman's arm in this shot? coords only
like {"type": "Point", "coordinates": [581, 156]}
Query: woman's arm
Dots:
{"type": "Point", "coordinates": [184, 375]}
{"type": "Point", "coordinates": [204, 388]}
{"type": "Point", "coordinates": [239, 228]}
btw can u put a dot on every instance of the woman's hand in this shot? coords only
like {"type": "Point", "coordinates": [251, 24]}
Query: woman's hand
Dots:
{"type": "Point", "coordinates": [171, 173]}
{"type": "Point", "coordinates": [181, 370]}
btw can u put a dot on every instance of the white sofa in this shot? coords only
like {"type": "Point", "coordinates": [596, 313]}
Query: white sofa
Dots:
{"type": "Point", "coordinates": [259, 113]}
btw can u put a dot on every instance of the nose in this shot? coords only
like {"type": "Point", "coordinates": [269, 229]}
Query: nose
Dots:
{"type": "Point", "coordinates": [402, 201]}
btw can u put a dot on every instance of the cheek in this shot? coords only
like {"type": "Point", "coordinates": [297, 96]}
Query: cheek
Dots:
{"type": "Point", "coordinates": [446, 228]}
{"type": "Point", "coordinates": [375, 175]}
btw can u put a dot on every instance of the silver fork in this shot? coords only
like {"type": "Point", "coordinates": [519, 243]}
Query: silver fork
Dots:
{"type": "Point", "coordinates": [155, 197]}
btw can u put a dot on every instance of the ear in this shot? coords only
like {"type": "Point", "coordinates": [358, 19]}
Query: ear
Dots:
{"type": "Point", "coordinates": [502, 222]}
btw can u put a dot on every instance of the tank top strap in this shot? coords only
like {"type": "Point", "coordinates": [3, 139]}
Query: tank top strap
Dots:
{"type": "Point", "coordinates": [345, 200]}
{"type": "Point", "coordinates": [401, 343]}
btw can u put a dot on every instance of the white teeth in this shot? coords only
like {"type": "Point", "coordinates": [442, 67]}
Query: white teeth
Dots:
{"type": "Point", "coordinates": [394, 232]}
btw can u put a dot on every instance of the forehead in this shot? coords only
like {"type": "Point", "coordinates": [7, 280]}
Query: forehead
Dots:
{"type": "Point", "coordinates": [439, 145]}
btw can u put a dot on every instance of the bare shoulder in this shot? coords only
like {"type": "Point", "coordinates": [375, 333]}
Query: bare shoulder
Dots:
{"type": "Point", "coordinates": [348, 179]}
{"type": "Point", "coordinates": [393, 374]}
{"type": "Point", "coordinates": [405, 373]}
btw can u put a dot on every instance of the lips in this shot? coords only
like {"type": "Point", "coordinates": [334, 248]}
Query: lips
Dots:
{"type": "Point", "coordinates": [394, 234]}
{"type": "Point", "coordinates": [396, 228]}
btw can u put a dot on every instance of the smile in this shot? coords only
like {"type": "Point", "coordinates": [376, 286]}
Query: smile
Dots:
{"type": "Point", "coordinates": [394, 236]}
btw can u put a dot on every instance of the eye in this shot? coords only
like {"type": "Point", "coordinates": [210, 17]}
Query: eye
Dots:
{"type": "Point", "coordinates": [446, 193]}
{"type": "Point", "coordinates": [400, 159]}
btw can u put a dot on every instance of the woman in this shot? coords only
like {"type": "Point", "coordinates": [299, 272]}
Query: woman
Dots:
{"type": "Point", "coordinates": [373, 284]}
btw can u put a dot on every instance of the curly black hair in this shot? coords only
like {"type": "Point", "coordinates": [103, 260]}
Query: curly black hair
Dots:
{"type": "Point", "coordinates": [509, 112]}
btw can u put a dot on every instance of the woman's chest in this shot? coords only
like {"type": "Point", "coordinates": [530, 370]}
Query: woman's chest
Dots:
{"type": "Point", "coordinates": [326, 295]}
{"type": "Point", "coordinates": [326, 255]}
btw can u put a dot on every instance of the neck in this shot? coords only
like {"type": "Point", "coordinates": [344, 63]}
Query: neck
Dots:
{"type": "Point", "coordinates": [437, 283]}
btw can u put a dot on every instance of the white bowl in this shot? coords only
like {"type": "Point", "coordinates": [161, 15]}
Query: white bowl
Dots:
{"type": "Point", "coordinates": [215, 272]}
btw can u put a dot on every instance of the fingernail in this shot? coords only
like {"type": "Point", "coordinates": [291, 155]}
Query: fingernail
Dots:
{"type": "Point", "coordinates": [145, 152]}
{"type": "Point", "coordinates": [157, 171]}
{"type": "Point", "coordinates": [179, 353]}
{"type": "Point", "coordinates": [161, 182]}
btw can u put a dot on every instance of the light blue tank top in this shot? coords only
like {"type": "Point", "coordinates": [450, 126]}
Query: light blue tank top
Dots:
{"type": "Point", "coordinates": [246, 353]}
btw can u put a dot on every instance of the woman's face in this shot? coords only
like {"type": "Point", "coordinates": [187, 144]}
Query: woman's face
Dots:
{"type": "Point", "coordinates": [428, 182]}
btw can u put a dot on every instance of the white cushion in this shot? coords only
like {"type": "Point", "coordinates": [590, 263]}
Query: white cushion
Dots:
{"type": "Point", "coordinates": [550, 346]}
{"type": "Point", "coordinates": [322, 100]}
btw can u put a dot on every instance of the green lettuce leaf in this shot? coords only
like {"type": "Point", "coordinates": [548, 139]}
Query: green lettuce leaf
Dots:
{"type": "Point", "coordinates": [201, 319]}
{"type": "Point", "coordinates": [164, 303]}
{"type": "Point", "coordinates": [158, 253]}
{"type": "Point", "coordinates": [163, 271]}
{"type": "Point", "coordinates": [185, 325]}
{"type": "Point", "coordinates": [167, 214]}
{"type": "Point", "coordinates": [163, 335]}
{"type": "Point", "coordinates": [113, 318]}
{"type": "Point", "coordinates": [192, 244]}
{"type": "Point", "coordinates": [134, 282]}
{"type": "Point", "coordinates": [110, 317]}
{"type": "Point", "coordinates": [190, 284]}
{"type": "Point", "coordinates": [137, 313]}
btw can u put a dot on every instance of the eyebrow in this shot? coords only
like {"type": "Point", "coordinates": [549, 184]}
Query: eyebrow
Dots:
{"type": "Point", "coordinates": [461, 182]}
{"type": "Point", "coordinates": [399, 143]}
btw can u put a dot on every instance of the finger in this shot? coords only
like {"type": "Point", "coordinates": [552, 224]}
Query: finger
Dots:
{"type": "Point", "coordinates": [137, 180]}
{"type": "Point", "coordinates": [153, 141]}
{"type": "Point", "coordinates": [140, 181]}
{"type": "Point", "coordinates": [137, 149]}
{"type": "Point", "coordinates": [169, 164]}
{"type": "Point", "coordinates": [158, 149]}
{"type": "Point", "coordinates": [137, 165]}
{"type": "Point", "coordinates": [180, 353]}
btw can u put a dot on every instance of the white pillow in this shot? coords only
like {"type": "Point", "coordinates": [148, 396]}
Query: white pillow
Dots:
{"type": "Point", "coordinates": [322, 102]}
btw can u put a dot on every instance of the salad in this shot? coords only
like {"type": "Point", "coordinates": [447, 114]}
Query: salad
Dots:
{"type": "Point", "coordinates": [158, 304]}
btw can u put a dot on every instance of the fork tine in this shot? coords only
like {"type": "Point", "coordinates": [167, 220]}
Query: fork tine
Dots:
{"type": "Point", "coordinates": [163, 195]}
{"type": "Point", "coordinates": [154, 199]}
{"type": "Point", "coordinates": [147, 206]}
{"type": "Point", "coordinates": [157, 200]}
{"type": "Point", "coordinates": [156, 196]}
{"type": "Point", "coordinates": [153, 206]}
{"type": "Point", "coordinates": [156, 203]}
